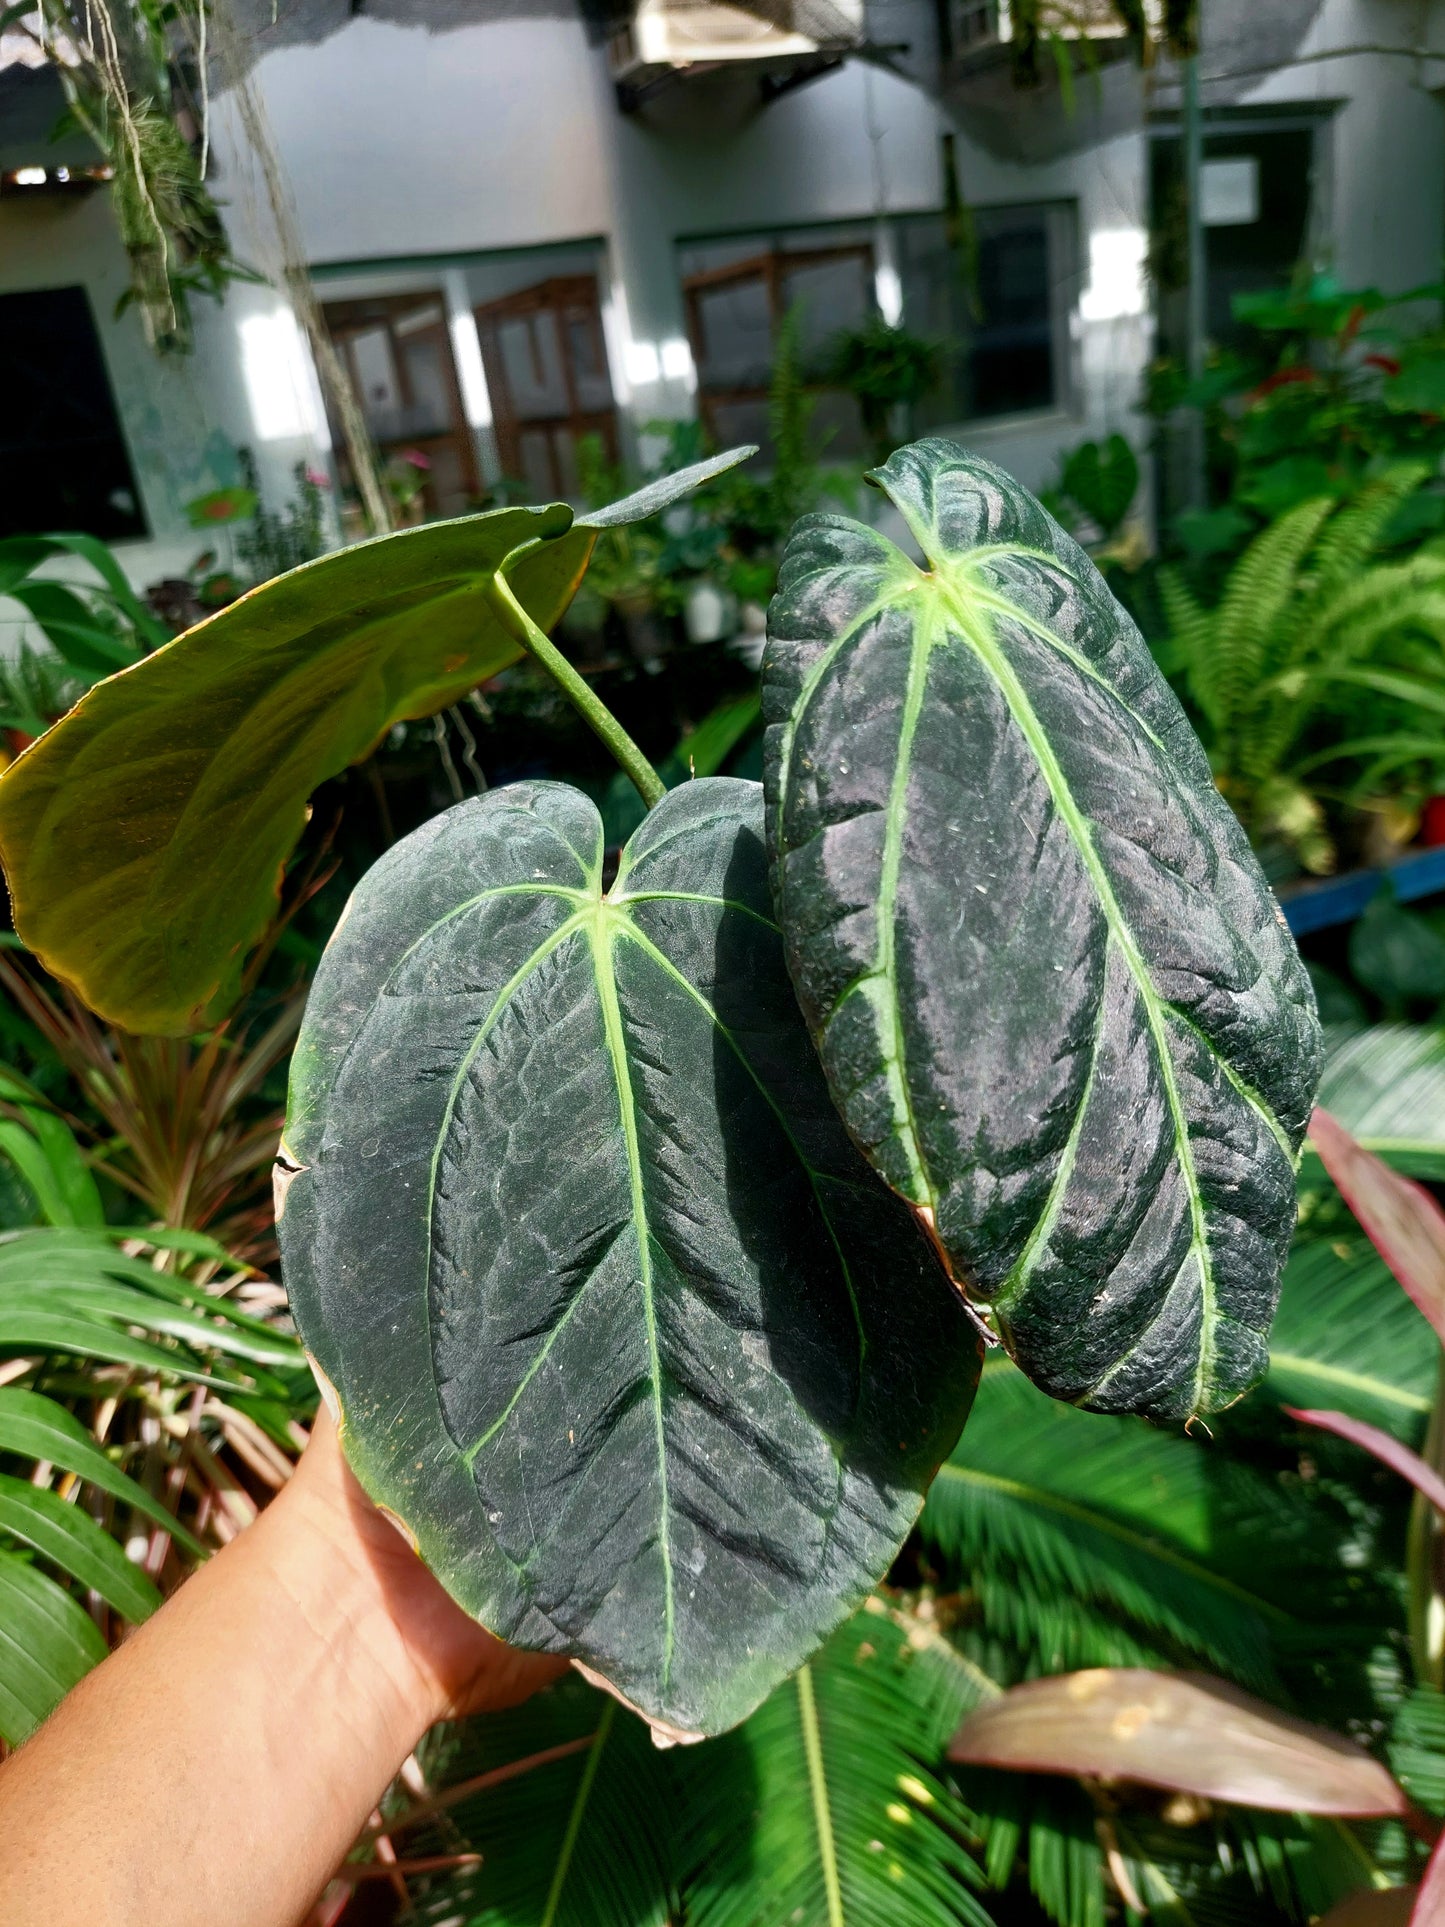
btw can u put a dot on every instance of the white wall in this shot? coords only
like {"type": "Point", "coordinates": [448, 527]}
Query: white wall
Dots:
{"type": "Point", "coordinates": [182, 417]}
{"type": "Point", "coordinates": [1386, 140]}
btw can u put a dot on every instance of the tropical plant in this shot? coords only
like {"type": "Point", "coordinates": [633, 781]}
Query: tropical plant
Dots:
{"type": "Point", "coordinates": [1324, 394]}
{"type": "Point", "coordinates": [118, 1323]}
{"type": "Point", "coordinates": [733, 1355]}
{"type": "Point", "coordinates": [1317, 674]}
{"type": "Point", "coordinates": [1096, 488]}
{"type": "Point", "coordinates": [886, 369]}
{"type": "Point", "coordinates": [92, 628]}
{"type": "Point", "coordinates": [124, 65]}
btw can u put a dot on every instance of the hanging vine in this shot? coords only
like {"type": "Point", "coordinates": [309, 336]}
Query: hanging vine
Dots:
{"type": "Point", "coordinates": [133, 73]}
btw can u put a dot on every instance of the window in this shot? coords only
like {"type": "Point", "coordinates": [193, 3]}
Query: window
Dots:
{"type": "Point", "coordinates": [546, 365]}
{"type": "Point", "coordinates": [737, 293]}
{"type": "Point", "coordinates": [398, 352]}
{"type": "Point", "coordinates": [999, 301]}
{"type": "Point", "coordinates": [63, 460]}
{"type": "Point", "coordinates": [1252, 241]}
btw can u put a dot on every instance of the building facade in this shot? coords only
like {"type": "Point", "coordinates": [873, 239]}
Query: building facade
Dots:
{"type": "Point", "coordinates": [514, 252]}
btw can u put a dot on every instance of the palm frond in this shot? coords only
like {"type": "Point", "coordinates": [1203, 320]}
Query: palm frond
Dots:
{"type": "Point", "coordinates": [824, 1809]}
{"type": "Point", "coordinates": [1387, 1087]}
{"type": "Point", "coordinates": [1417, 1747]}
{"type": "Point", "coordinates": [51, 1643]}
{"type": "Point", "coordinates": [582, 1839]}
{"type": "Point", "coordinates": [1347, 1338]}
{"type": "Point", "coordinates": [1051, 1826]}
{"type": "Point", "coordinates": [1108, 1515]}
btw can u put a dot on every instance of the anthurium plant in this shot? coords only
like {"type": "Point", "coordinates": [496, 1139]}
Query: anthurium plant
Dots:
{"type": "Point", "coordinates": [646, 1225]}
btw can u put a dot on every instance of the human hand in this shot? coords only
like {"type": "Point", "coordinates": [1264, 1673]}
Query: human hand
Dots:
{"type": "Point", "coordinates": [458, 1667]}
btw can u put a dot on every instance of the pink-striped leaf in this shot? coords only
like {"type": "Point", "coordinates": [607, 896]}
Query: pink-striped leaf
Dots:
{"type": "Point", "coordinates": [1430, 1902]}
{"type": "Point", "coordinates": [1387, 1450]}
{"type": "Point", "coordinates": [1401, 1220]}
{"type": "Point", "coordinates": [1384, 1907]}
{"type": "Point", "coordinates": [1183, 1731]}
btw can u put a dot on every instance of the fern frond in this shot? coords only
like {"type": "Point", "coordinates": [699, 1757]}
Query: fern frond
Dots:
{"type": "Point", "coordinates": [1260, 588]}
{"type": "Point", "coordinates": [823, 1810]}
{"type": "Point", "coordinates": [1187, 649]}
{"type": "Point", "coordinates": [581, 1840]}
{"type": "Point", "coordinates": [1355, 529]}
{"type": "Point", "coordinates": [1106, 1511]}
{"type": "Point", "coordinates": [1387, 600]}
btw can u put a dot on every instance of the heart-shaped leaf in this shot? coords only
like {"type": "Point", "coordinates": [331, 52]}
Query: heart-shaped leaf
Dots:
{"type": "Point", "coordinates": [1056, 1003]}
{"type": "Point", "coordinates": [143, 836]}
{"type": "Point", "coordinates": [619, 1323]}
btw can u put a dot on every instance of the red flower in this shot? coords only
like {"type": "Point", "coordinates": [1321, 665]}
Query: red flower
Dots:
{"type": "Point", "coordinates": [1387, 362]}
{"type": "Point", "coordinates": [415, 457]}
{"type": "Point", "coordinates": [317, 477]}
{"type": "Point", "coordinates": [1281, 378]}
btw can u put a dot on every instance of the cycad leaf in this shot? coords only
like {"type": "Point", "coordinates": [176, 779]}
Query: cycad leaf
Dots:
{"type": "Point", "coordinates": [73, 1541]}
{"type": "Point", "coordinates": [1347, 1336]}
{"type": "Point", "coordinates": [47, 1644]}
{"type": "Point", "coordinates": [620, 1324]}
{"type": "Point", "coordinates": [824, 1810]}
{"type": "Point", "coordinates": [1100, 1513]}
{"type": "Point", "coordinates": [34, 1427]}
{"type": "Point", "coordinates": [582, 1840]}
{"type": "Point", "coordinates": [1387, 1087]}
{"type": "Point", "coordinates": [1056, 1003]}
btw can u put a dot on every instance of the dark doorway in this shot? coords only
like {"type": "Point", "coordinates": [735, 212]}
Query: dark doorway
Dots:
{"type": "Point", "coordinates": [63, 459]}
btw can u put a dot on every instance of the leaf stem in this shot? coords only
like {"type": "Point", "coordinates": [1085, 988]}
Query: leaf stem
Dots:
{"type": "Point", "coordinates": [514, 618]}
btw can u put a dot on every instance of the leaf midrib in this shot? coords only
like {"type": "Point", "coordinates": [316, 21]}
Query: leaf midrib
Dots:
{"type": "Point", "coordinates": [985, 646]}
{"type": "Point", "coordinates": [602, 937]}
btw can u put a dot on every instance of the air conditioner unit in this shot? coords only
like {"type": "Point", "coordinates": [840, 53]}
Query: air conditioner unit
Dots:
{"type": "Point", "coordinates": [674, 35]}
{"type": "Point", "coordinates": [978, 24]}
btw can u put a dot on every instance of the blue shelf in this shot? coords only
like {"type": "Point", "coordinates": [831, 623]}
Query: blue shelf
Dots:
{"type": "Point", "coordinates": [1319, 906]}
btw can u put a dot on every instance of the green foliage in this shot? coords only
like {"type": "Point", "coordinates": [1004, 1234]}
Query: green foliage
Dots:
{"type": "Point", "coordinates": [886, 369]}
{"type": "Point", "coordinates": [123, 82]}
{"type": "Point", "coordinates": [905, 704]}
{"type": "Point", "coordinates": [1386, 1086]}
{"type": "Point", "coordinates": [1319, 659]}
{"type": "Point", "coordinates": [1098, 483]}
{"type": "Point", "coordinates": [587, 1839]}
{"type": "Point", "coordinates": [92, 627]}
{"type": "Point", "coordinates": [826, 1807]}
{"type": "Point", "coordinates": [1399, 957]}
{"type": "Point", "coordinates": [1325, 395]}
{"type": "Point", "coordinates": [699, 1383]}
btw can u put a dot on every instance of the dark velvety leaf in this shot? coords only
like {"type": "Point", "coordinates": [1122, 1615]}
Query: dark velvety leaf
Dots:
{"type": "Point", "coordinates": [1056, 1003]}
{"type": "Point", "coordinates": [619, 1323]}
